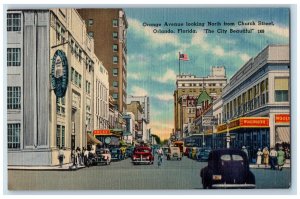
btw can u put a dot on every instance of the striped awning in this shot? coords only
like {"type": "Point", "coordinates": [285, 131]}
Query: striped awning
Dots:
{"type": "Point", "coordinates": [283, 134]}
{"type": "Point", "coordinates": [92, 140]}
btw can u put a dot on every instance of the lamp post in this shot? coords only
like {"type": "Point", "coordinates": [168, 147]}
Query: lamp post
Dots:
{"type": "Point", "coordinates": [227, 136]}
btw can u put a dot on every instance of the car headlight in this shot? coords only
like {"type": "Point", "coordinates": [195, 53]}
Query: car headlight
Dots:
{"type": "Point", "coordinates": [216, 177]}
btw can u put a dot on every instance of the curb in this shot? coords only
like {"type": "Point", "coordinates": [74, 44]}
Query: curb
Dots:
{"type": "Point", "coordinates": [66, 168]}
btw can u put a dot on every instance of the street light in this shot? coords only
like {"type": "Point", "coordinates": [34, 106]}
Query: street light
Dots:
{"type": "Point", "coordinates": [227, 136]}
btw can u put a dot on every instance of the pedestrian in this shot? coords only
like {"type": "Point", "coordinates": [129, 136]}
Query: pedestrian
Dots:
{"type": "Point", "coordinates": [258, 158]}
{"type": "Point", "coordinates": [79, 159]}
{"type": "Point", "coordinates": [74, 157]}
{"type": "Point", "coordinates": [266, 156]}
{"type": "Point", "coordinates": [245, 150]}
{"type": "Point", "coordinates": [280, 158]}
{"type": "Point", "coordinates": [273, 158]}
{"type": "Point", "coordinates": [61, 157]}
{"type": "Point", "coordinates": [83, 155]}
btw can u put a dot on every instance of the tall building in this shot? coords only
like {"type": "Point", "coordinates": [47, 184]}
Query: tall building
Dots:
{"type": "Point", "coordinates": [256, 102]}
{"type": "Point", "coordinates": [108, 27]}
{"type": "Point", "coordinates": [51, 69]}
{"type": "Point", "coordinates": [190, 87]}
{"type": "Point", "coordinates": [145, 103]}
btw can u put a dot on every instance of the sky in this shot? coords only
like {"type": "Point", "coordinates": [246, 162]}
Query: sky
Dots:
{"type": "Point", "coordinates": [153, 57]}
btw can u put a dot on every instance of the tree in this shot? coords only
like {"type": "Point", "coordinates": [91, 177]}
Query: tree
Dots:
{"type": "Point", "coordinates": [157, 139]}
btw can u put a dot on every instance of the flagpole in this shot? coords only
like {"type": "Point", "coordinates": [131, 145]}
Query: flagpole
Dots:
{"type": "Point", "coordinates": [179, 62]}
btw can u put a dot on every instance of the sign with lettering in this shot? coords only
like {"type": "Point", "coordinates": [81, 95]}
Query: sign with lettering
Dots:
{"type": "Point", "coordinates": [282, 118]}
{"type": "Point", "coordinates": [207, 121]}
{"type": "Point", "coordinates": [102, 132]}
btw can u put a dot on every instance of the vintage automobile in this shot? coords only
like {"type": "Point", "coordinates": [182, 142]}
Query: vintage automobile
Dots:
{"type": "Point", "coordinates": [142, 155]}
{"type": "Point", "coordinates": [174, 153]}
{"type": "Point", "coordinates": [103, 156]}
{"type": "Point", "coordinates": [202, 154]}
{"type": "Point", "coordinates": [227, 168]}
{"type": "Point", "coordinates": [129, 151]}
{"type": "Point", "coordinates": [115, 154]}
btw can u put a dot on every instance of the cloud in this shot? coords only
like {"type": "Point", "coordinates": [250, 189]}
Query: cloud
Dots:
{"type": "Point", "coordinates": [165, 97]}
{"type": "Point", "coordinates": [134, 76]}
{"type": "Point", "coordinates": [218, 50]}
{"type": "Point", "coordinates": [169, 76]}
{"type": "Point", "coordinates": [147, 32]}
{"type": "Point", "coordinates": [244, 56]}
{"type": "Point", "coordinates": [138, 91]}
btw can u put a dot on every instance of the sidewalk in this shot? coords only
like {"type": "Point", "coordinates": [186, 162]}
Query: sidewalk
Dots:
{"type": "Point", "coordinates": [262, 166]}
{"type": "Point", "coordinates": [65, 167]}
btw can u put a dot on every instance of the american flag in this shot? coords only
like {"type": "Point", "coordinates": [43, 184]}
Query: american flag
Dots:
{"type": "Point", "coordinates": [183, 57]}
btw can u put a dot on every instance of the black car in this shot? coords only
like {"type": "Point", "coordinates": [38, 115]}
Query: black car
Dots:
{"type": "Point", "coordinates": [227, 168]}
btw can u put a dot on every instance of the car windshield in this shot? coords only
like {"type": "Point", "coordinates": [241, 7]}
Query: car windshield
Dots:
{"type": "Point", "coordinates": [143, 150]}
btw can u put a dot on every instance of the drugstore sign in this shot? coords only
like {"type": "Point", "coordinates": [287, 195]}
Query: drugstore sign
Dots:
{"type": "Point", "coordinates": [282, 118]}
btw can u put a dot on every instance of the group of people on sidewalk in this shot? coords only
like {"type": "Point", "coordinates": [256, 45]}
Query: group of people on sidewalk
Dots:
{"type": "Point", "coordinates": [79, 157]}
{"type": "Point", "coordinates": [276, 158]}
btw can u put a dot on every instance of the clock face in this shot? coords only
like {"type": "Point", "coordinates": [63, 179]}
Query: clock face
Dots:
{"type": "Point", "coordinates": [107, 140]}
{"type": "Point", "coordinates": [59, 73]}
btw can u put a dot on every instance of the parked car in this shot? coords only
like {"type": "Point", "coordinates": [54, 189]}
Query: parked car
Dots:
{"type": "Point", "coordinates": [129, 151]}
{"type": "Point", "coordinates": [115, 153]}
{"type": "Point", "coordinates": [227, 168]}
{"type": "Point", "coordinates": [142, 155]}
{"type": "Point", "coordinates": [203, 154]}
{"type": "Point", "coordinates": [174, 153]}
{"type": "Point", "coordinates": [103, 156]}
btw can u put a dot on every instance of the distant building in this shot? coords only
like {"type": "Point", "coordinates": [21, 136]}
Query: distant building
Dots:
{"type": "Point", "coordinates": [108, 27]}
{"type": "Point", "coordinates": [145, 103]}
{"type": "Point", "coordinates": [192, 86]}
{"type": "Point", "coordinates": [136, 108]}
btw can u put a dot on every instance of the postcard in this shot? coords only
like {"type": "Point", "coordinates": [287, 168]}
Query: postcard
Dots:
{"type": "Point", "coordinates": [148, 98]}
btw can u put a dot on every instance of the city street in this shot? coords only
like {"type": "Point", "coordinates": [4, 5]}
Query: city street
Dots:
{"type": "Point", "coordinates": [124, 175]}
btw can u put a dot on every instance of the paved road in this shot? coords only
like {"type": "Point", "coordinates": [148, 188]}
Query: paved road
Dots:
{"type": "Point", "coordinates": [124, 175]}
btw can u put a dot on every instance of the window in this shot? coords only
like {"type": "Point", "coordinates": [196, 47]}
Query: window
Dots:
{"type": "Point", "coordinates": [115, 84]}
{"type": "Point", "coordinates": [60, 105]}
{"type": "Point", "coordinates": [13, 56]}
{"type": "Point", "coordinates": [91, 34]}
{"type": "Point", "coordinates": [115, 95]}
{"type": "Point", "coordinates": [115, 22]}
{"type": "Point", "coordinates": [13, 136]}
{"type": "Point", "coordinates": [90, 22]}
{"type": "Point", "coordinates": [79, 81]}
{"type": "Point", "coordinates": [115, 59]}
{"type": "Point", "coordinates": [58, 136]}
{"type": "Point", "coordinates": [115, 72]}
{"type": "Point", "coordinates": [115, 35]}
{"type": "Point", "coordinates": [115, 48]}
{"type": "Point", "coordinates": [88, 87]}
{"type": "Point", "coordinates": [281, 89]}
{"type": "Point", "coordinates": [13, 22]}
{"type": "Point", "coordinates": [63, 136]}
{"type": "Point", "coordinates": [13, 97]}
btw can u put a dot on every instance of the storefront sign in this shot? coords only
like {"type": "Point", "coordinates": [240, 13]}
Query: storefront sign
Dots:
{"type": "Point", "coordinates": [254, 122]}
{"type": "Point", "coordinates": [59, 73]}
{"type": "Point", "coordinates": [221, 127]}
{"type": "Point", "coordinates": [282, 118]}
{"type": "Point", "coordinates": [102, 132]}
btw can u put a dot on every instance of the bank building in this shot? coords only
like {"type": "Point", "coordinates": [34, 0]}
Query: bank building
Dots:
{"type": "Point", "coordinates": [57, 89]}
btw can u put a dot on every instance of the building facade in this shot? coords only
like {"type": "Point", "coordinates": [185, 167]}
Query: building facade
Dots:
{"type": "Point", "coordinates": [51, 64]}
{"type": "Point", "coordinates": [145, 103]}
{"type": "Point", "coordinates": [256, 101]}
{"type": "Point", "coordinates": [192, 86]}
{"type": "Point", "coordinates": [108, 27]}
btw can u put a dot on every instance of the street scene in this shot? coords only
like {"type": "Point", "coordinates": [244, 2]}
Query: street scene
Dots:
{"type": "Point", "coordinates": [145, 98]}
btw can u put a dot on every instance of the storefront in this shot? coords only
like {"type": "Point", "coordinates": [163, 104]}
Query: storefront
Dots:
{"type": "Point", "coordinates": [282, 129]}
{"type": "Point", "coordinates": [107, 137]}
{"type": "Point", "coordinates": [251, 132]}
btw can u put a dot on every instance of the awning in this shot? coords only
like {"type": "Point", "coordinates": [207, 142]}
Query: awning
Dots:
{"type": "Point", "coordinates": [92, 140]}
{"type": "Point", "coordinates": [283, 134]}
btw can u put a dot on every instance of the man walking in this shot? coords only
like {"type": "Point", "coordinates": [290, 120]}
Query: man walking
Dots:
{"type": "Point", "coordinates": [61, 157]}
{"type": "Point", "coordinates": [273, 158]}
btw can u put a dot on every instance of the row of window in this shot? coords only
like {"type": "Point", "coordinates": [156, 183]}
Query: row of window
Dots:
{"type": "Point", "coordinates": [75, 77]}
{"type": "Point", "coordinates": [196, 84]}
{"type": "Point", "coordinates": [14, 22]}
{"type": "Point", "coordinates": [60, 136]}
{"type": "Point", "coordinates": [13, 56]}
{"type": "Point", "coordinates": [115, 22]}
{"type": "Point", "coordinates": [60, 105]}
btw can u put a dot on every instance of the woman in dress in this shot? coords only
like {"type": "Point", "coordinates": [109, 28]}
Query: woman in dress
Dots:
{"type": "Point", "coordinates": [266, 156]}
{"type": "Point", "coordinates": [258, 159]}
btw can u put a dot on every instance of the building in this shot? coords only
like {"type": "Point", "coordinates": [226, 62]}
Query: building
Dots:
{"type": "Point", "coordinates": [145, 103]}
{"type": "Point", "coordinates": [108, 27]}
{"type": "Point", "coordinates": [256, 102]}
{"type": "Point", "coordinates": [192, 86]}
{"type": "Point", "coordinates": [48, 111]}
{"type": "Point", "coordinates": [136, 108]}
{"type": "Point", "coordinates": [129, 134]}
